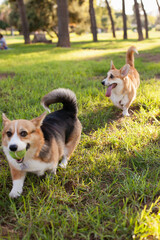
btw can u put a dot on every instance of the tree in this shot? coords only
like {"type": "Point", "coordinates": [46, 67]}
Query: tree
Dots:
{"type": "Point", "coordinates": [139, 25]}
{"type": "Point", "coordinates": [93, 20]}
{"type": "Point", "coordinates": [124, 20]}
{"type": "Point", "coordinates": [158, 5]}
{"type": "Point", "coordinates": [79, 18]}
{"type": "Point", "coordinates": [42, 16]}
{"type": "Point", "coordinates": [63, 32]}
{"type": "Point", "coordinates": [145, 19]}
{"type": "Point", "coordinates": [111, 18]}
{"type": "Point", "coordinates": [102, 19]}
{"type": "Point", "coordinates": [24, 21]}
{"type": "Point", "coordinates": [4, 13]}
{"type": "Point", "coordinates": [3, 25]}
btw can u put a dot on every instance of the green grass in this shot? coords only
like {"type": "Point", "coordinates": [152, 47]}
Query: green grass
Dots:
{"type": "Point", "coordinates": [111, 186]}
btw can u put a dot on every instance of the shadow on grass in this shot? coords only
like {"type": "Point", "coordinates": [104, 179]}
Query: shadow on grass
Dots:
{"type": "Point", "coordinates": [94, 120]}
{"type": "Point", "coordinates": [19, 48]}
{"type": "Point", "coordinates": [100, 45]}
{"type": "Point", "coordinates": [128, 187]}
{"type": "Point", "coordinates": [97, 68]}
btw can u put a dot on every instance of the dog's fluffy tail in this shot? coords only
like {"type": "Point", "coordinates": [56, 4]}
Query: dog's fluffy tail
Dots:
{"type": "Point", "coordinates": [61, 95]}
{"type": "Point", "coordinates": [130, 55]}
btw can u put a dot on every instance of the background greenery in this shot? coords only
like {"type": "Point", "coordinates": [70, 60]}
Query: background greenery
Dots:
{"type": "Point", "coordinates": [42, 16]}
{"type": "Point", "coordinates": [111, 186]}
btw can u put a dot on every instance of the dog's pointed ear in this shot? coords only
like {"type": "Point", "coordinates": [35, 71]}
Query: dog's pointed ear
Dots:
{"type": "Point", "coordinates": [38, 120]}
{"type": "Point", "coordinates": [5, 119]}
{"type": "Point", "coordinates": [124, 70]}
{"type": "Point", "coordinates": [112, 65]}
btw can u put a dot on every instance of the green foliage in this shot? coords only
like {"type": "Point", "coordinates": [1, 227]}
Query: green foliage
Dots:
{"type": "Point", "coordinates": [3, 25]}
{"type": "Point", "coordinates": [104, 21]}
{"type": "Point", "coordinates": [102, 17]}
{"type": "Point", "coordinates": [42, 14]}
{"type": "Point", "coordinates": [79, 16]}
{"type": "Point", "coordinates": [14, 18]}
{"type": "Point", "coordinates": [110, 187]}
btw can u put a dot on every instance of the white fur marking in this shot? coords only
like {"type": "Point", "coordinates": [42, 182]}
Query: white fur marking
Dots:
{"type": "Point", "coordinates": [46, 107]}
{"type": "Point", "coordinates": [125, 112]}
{"type": "Point", "coordinates": [136, 51]}
{"type": "Point", "coordinates": [37, 166]}
{"type": "Point", "coordinates": [17, 187]}
{"type": "Point", "coordinates": [64, 161]}
{"type": "Point", "coordinates": [16, 140]}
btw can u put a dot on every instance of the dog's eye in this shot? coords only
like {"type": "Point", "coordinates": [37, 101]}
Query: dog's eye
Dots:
{"type": "Point", "coordinates": [9, 134]}
{"type": "Point", "coordinates": [23, 134]}
{"type": "Point", "coordinates": [111, 76]}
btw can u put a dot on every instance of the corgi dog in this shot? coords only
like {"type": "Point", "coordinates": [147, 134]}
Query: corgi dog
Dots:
{"type": "Point", "coordinates": [123, 83]}
{"type": "Point", "coordinates": [45, 139]}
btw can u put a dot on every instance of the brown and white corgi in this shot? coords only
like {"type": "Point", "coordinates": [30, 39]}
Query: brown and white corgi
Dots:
{"type": "Point", "coordinates": [45, 139]}
{"type": "Point", "coordinates": [123, 83]}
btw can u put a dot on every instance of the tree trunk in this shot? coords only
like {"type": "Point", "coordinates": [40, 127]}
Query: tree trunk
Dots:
{"type": "Point", "coordinates": [25, 25]}
{"type": "Point", "coordinates": [12, 31]}
{"type": "Point", "coordinates": [93, 21]}
{"type": "Point", "coordinates": [124, 20]}
{"type": "Point", "coordinates": [158, 5]}
{"type": "Point", "coordinates": [63, 32]}
{"type": "Point", "coordinates": [111, 18]}
{"type": "Point", "coordinates": [146, 19]}
{"type": "Point", "coordinates": [139, 25]}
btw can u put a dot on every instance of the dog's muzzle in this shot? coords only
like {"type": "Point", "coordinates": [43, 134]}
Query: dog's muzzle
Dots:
{"type": "Point", "coordinates": [13, 147]}
{"type": "Point", "coordinates": [103, 82]}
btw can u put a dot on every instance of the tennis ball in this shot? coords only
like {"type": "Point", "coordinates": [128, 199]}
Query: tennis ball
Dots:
{"type": "Point", "coordinates": [18, 155]}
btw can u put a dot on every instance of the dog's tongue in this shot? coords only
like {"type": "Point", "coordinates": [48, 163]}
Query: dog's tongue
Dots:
{"type": "Point", "coordinates": [20, 160]}
{"type": "Point", "coordinates": [109, 89]}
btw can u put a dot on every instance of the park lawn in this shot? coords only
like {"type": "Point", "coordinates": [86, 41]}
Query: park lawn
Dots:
{"type": "Point", "coordinates": [111, 187]}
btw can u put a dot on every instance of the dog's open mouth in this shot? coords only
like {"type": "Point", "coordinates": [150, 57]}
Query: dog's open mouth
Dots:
{"type": "Point", "coordinates": [19, 155]}
{"type": "Point", "coordinates": [20, 160]}
{"type": "Point", "coordinates": [109, 89]}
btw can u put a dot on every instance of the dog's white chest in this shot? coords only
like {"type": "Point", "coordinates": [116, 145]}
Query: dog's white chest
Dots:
{"type": "Point", "coordinates": [36, 166]}
{"type": "Point", "coordinates": [119, 100]}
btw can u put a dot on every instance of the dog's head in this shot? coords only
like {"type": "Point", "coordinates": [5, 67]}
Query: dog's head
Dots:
{"type": "Point", "coordinates": [19, 135]}
{"type": "Point", "coordinates": [115, 78]}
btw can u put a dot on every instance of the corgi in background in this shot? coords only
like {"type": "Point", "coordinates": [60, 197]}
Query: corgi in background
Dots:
{"type": "Point", "coordinates": [123, 83]}
{"type": "Point", "coordinates": [43, 141]}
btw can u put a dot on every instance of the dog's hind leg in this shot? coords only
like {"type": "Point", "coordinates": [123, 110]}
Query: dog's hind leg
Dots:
{"type": "Point", "coordinates": [71, 144]}
{"type": "Point", "coordinates": [55, 155]}
{"type": "Point", "coordinates": [65, 159]}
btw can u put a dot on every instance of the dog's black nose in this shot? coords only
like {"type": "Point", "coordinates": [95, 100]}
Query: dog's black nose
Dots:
{"type": "Point", "coordinates": [103, 82]}
{"type": "Point", "coordinates": [13, 147]}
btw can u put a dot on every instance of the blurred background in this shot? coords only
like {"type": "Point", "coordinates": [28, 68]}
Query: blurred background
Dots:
{"type": "Point", "coordinates": [51, 20]}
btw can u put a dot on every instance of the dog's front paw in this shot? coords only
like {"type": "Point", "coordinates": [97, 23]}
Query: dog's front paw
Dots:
{"type": "Point", "coordinates": [63, 165]}
{"type": "Point", "coordinates": [40, 173]}
{"type": "Point", "coordinates": [14, 193]}
{"type": "Point", "coordinates": [126, 113]}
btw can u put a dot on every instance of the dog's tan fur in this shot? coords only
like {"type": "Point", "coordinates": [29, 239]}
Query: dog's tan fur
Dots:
{"type": "Point", "coordinates": [125, 82]}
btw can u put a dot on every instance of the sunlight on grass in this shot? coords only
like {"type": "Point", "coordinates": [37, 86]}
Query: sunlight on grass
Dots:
{"type": "Point", "coordinates": [110, 187]}
{"type": "Point", "coordinates": [148, 224]}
